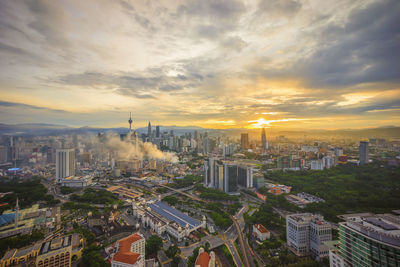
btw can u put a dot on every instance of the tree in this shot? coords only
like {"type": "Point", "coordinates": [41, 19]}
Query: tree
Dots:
{"type": "Point", "coordinates": [91, 257]}
{"type": "Point", "coordinates": [153, 245]}
{"type": "Point", "coordinates": [207, 247]}
{"type": "Point", "coordinates": [172, 251]}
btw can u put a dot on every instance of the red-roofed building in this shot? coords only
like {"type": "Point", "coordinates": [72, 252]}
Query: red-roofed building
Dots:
{"type": "Point", "coordinates": [204, 259]}
{"type": "Point", "coordinates": [261, 232]}
{"type": "Point", "coordinates": [128, 252]}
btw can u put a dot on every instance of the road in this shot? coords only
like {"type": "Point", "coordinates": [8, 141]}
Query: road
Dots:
{"type": "Point", "coordinates": [52, 190]}
{"type": "Point", "coordinates": [241, 241]}
{"type": "Point", "coordinates": [214, 240]}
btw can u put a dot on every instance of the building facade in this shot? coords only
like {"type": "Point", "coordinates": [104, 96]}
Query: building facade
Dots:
{"type": "Point", "coordinates": [370, 240]}
{"type": "Point", "coordinates": [364, 157]}
{"type": "Point", "coordinates": [306, 234]}
{"type": "Point", "coordinates": [162, 218]}
{"type": "Point", "coordinates": [65, 163]}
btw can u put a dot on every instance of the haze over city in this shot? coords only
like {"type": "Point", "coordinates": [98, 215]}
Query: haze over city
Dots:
{"type": "Point", "coordinates": [218, 64]}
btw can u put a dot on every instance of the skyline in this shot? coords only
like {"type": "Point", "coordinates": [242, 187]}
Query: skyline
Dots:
{"type": "Point", "coordinates": [226, 64]}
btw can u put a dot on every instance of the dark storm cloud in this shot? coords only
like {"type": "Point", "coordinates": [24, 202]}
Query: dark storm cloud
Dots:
{"type": "Point", "coordinates": [137, 85]}
{"type": "Point", "coordinates": [143, 21]}
{"type": "Point", "coordinates": [21, 105]}
{"type": "Point", "coordinates": [276, 8]}
{"type": "Point", "coordinates": [366, 49]}
{"type": "Point", "coordinates": [12, 49]}
{"type": "Point", "coordinates": [212, 19]}
{"type": "Point", "coordinates": [50, 21]}
{"type": "Point", "coordinates": [305, 107]}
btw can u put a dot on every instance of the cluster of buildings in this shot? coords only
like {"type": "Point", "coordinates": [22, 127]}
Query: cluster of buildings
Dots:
{"type": "Point", "coordinates": [23, 221]}
{"type": "Point", "coordinates": [365, 239]}
{"type": "Point", "coordinates": [227, 175]}
{"type": "Point", "coordinates": [162, 218]}
{"type": "Point", "coordinates": [58, 251]}
{"type": "Point", "coordinates": [278, 189]}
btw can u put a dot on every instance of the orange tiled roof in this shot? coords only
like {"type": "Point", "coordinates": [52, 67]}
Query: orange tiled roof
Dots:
{"type": "Point", "coordinates": [261, 228]}
{"type": "Point", "coordinates": [124, 253]}
{"type": "Point", "coordinates": [203, 259]}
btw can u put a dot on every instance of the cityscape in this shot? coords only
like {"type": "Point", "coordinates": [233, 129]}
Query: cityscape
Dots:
{"type": "Point", "coordinates": [200, 133]}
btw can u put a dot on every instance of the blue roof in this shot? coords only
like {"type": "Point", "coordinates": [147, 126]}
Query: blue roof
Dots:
{"type": "Point", "coordinates": [6, 218]}
{"type": "Point", "coordinates": [174, 215]}
{"type": "Point", "coordinates": [13, 169]}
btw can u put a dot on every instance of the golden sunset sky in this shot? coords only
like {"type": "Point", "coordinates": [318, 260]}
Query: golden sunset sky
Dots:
{"type": "Point", "coordinates": [221, 64]}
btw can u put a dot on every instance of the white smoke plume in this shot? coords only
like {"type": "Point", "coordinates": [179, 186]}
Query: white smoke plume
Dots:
{"type": "Point", "coordinates": [134, 148]}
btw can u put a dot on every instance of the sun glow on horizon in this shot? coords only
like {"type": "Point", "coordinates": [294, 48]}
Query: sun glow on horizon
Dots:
{"type": "Point", "coordinates": [262, 123]}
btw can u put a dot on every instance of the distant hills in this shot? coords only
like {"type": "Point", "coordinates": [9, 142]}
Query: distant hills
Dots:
{"type": "Point", "coordinates": [392, 132]}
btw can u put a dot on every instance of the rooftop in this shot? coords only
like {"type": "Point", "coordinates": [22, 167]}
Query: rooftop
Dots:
{"type": "Point", "coordinates": [173, 215]}
{"type": "Point", "coordinates": [382, 227]}
{"type": "Point", "coordinates": [124, 253]}
{"type": "Point", "coordinates": [261, 228]}
{"type": "Point", "coordinates": [203, 259]}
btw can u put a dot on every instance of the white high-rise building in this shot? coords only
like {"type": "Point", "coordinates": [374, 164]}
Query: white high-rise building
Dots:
{"type": "Point", "coordinates": [65, 163]}
{"type": "Point", "coordinates": [306, 234]}
{"type": "Point", "coordinates": [328, 162]}
{"type": "Point", "coordinates": [317, 165]}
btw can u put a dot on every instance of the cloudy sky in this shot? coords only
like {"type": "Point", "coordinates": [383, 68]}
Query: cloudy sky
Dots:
{"type": "Point", "coordinates": [278, 63]}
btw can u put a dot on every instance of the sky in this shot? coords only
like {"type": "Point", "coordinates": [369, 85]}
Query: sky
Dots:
{"type": "Point", "coordinates": [282, 64]}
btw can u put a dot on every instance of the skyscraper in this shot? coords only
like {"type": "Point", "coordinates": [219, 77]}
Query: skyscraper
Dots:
{"type": "Point", "coordinates": [263, 139]}
{"type": "Point", "coordinates": [158, 131]}
{"type": "Point", "coordinates": [149, 132]}
{"type": "Point", "coordinates": [244, 141]}
{"type": "Point", "coordinates": [363, 153]}
{"type": "Point", "coordinates": [65, 163]}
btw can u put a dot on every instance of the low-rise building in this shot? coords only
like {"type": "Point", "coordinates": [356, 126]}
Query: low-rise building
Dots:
{"type": "Point", "coordinates": [260, 232]}
{"type": "Point", "coordinates": [56, 252]}
{"type": "Point", "coordinates": [204, 259]}
{"type": "Point", "coordinates": [162, 218]}
{"type": "Point", "coordinates": [127, 252]}
{"type": "Point", "coordinates": [59, 251]}
{"type": "Point", "coordinates": [125, 192]}
{"type": "Point", "coordinates": [76, 181]}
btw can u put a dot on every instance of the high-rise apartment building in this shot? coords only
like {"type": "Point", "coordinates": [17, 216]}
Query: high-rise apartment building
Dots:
{"type": "Point", "coordinates": [306, 234]}
{"type": "Point", "coordinates": [364, 153]}
{"type": "Point", "coordinates": [370, 240]}
{"type": "Point", "coordinates": [65, 163]}
{"type": "Point", "coordinates": [244, 141]}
